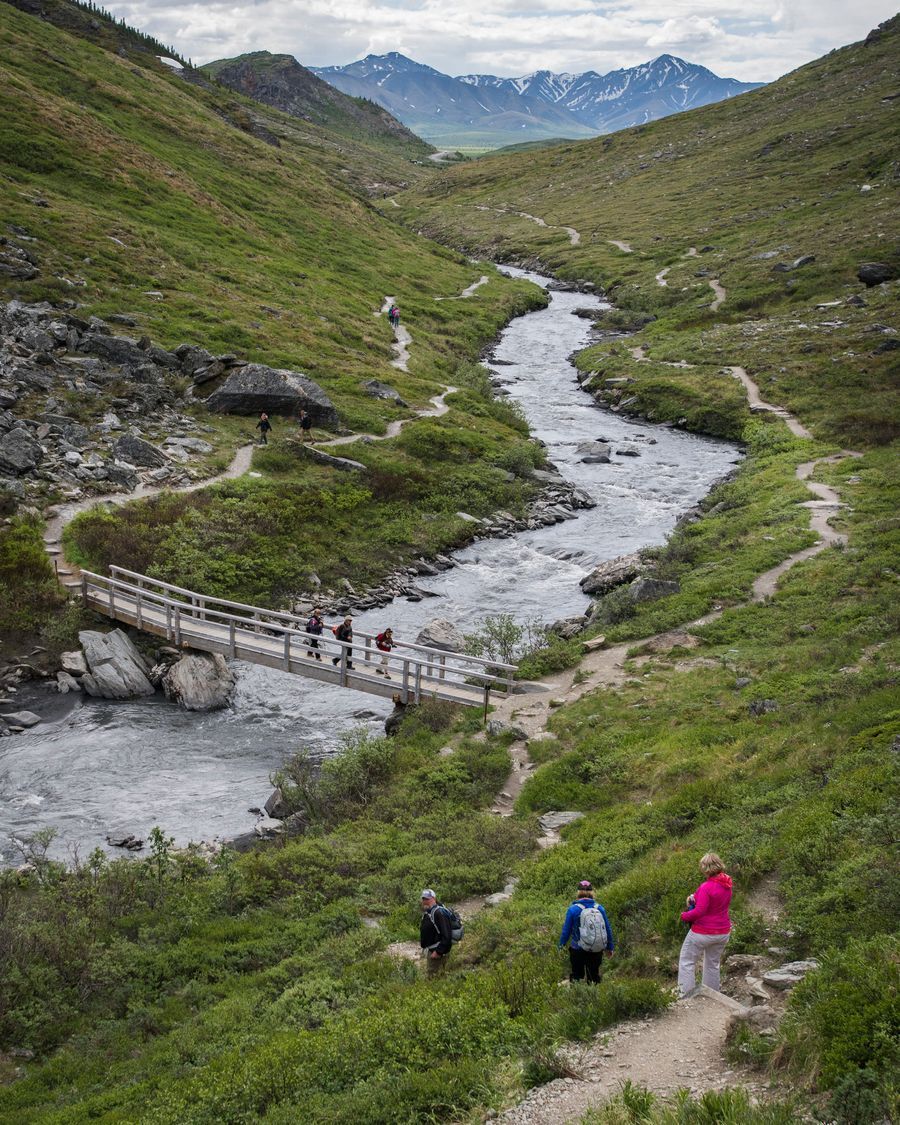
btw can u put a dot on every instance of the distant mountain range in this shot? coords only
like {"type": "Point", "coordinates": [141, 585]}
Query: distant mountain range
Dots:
{"type": "Point", "coordinates": [482, 108]}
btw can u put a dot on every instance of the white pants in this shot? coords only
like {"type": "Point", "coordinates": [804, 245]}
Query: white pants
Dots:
{"type": "Point", "coordinates": [710, 947]}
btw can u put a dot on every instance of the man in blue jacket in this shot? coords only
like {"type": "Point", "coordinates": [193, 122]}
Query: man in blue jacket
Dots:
{"type": "Point", "coordinates": [585, 962]}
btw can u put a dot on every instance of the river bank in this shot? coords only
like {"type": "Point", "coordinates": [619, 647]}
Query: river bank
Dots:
{"type": "Point", "coordinates": [111, 767]}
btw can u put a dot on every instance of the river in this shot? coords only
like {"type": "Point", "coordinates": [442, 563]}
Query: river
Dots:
{"type": "Point", "coordinates": [105, 766]}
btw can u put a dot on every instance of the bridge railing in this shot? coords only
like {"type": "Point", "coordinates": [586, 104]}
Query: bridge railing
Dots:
{"type": "Point", "coordinates": [249, 632]}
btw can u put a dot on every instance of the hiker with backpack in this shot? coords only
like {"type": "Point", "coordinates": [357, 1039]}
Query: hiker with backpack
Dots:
{"type": "Point", "coordinates": [305, 422]}
{"type": "Point", "coordinates": [315, 625]}
{"type": "Point", "coordinates": [264, 426]}
{"type": "Point", "coordinates": [589, 935]}
{"type": "Point", "coordinates": [439, 929]}
{"type": "Point", "coordinates": [710, 927]}
{"type": "Point", "coordinates": [344, 632]}
{"type": "Point", "coordinates": [384, 642]}
{"type": "Point", "coordinates": [394, 317]}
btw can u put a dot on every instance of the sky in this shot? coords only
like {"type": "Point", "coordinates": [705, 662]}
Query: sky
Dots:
{"type": "Point", "coordinates": [753, 40]}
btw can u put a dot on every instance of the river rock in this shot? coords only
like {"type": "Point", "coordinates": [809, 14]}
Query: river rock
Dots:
{"type": "Point", "coordinates": [74, 663]}
{"type": "Point", "coordinates": [276, 806]}
{"type": "Point", "coordinates": [65, 682]}
{"type": "Point", "coordinates": [19, 452]}
{"type": "Point", "coordinates": [614, 572]}
{"type": "Point", "coordinates": [199, 681]}
{"type": "Point", "coordinates": [786, 976]}
{"type": "Point", "coordinates": [21, 719]}
{"type": "Point", "coordinates": [254, 388]}
{"type": "Point", "coordinates": [443, 635]}
{"type": "Point", "coordinates": [381, 390]}
{"type": "Point", "coordinates": [268, 826]}
{"type": "Point", "coordinates": [117, 669]}
{"type": "Point", "coordinates": [875, 273]}
{"type": "Point", "coordinates": [649, 589]}
{"type": "Point", "coordinates": [594, 452]}
{"type": "Point", "coordinates": [136, 451]}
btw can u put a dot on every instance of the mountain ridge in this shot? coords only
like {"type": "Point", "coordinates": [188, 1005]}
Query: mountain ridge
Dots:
{"type": "Point", "coordinates": [550, 104]}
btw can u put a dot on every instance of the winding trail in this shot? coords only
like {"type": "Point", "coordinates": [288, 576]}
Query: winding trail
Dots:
{"type": "Point", "coordinates": [661, 277]}
{"type": "Point", "coordinates": [683, 1047]}
{"type": "Point", "coordinates": [574, 235]}
{"type": "Point", "coordinates": [625, 247]}
{"type": "Point", "coordinates": [719, 292]}
{"type": "Point", "coordinates": [469, 291]}
{"type": "Point", "coordinates": [402, 339]}
{"type": "Point", "coordinates": [438, 408]}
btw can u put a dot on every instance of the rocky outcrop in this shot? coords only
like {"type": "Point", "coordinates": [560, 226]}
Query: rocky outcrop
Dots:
{"type": "Point", "coordinates": [19, 452]}
{"type": "Point", "coordinates": [875, 273]}
{"type": "Point", "coordinates": [649, 589]}
{"type": "Point", "coordinates": [255, 388]}
{"type": "Point", "coordinates": [117, 669]}
{"type": "Point", "coordinates": [614, 572]}
{"type": "Point", "coordinates": [136, 451]}
{"type": "Point", "coordinates": [377, 389]}
{"type": "Point", "coordinates": [443, 635]}
{"type": "Point", "coordinates": [199, 681]}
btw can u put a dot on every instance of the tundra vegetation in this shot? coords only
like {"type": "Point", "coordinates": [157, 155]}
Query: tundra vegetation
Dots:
{"type": "Point", "coordinates": [172, 989]}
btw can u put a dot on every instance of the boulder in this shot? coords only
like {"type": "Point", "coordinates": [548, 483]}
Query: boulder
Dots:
{"type": "Point", "coordinates": [136, 451]}
{"type": "Point", "coordinates": [875, 273]}
{"type": "Point", "coordinates": [786, 976]}
{"type": "Point", "coordinates": [551, 821]}
{"type": "Point", "coordinates": [614, 572]}
{"type": "Point", "coordinates": [117, 669]}
{"type": "Point", "coordinates": [443, 635]}
{"type": "Point", "coordinates": [255, 388]}
{"type": "Point", "coordinates": [116, 349]}
{"type": "Point", "coordinates": [593, 452]}
{"type": "Point", "coordinates": [21, 719]}
{"type": "Point", "coordinates": [497, 727]}
{"type": "Point", "coordinates": [65, 682]}
{"type": "Point", "coordinates": [74, 663]}
{"type": "Point", "coordinates": [378, 389]}
{"type": "Point", "coordinates": [649, 589]}
{"type": "Point", "coordinates": [199, 681]}
{"type": "Point", "coordinates": [276, 806]}
{"type": "Point", "coordinates": [759, 707]}
{"type": "Point", "coordinates": [19, 452]}
{"type": "Point", "coordinates": [268, 826]}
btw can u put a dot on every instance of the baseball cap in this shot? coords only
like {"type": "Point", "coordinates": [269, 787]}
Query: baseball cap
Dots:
{"type": "Point", "coordinates": [585, 885]}
{"type": "Point", "coordinates": [428, 893]}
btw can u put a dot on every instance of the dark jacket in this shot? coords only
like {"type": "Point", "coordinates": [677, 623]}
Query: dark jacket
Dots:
{"type": "Point", "coordinates": [344, 632]}
{"type": "Point", "coordinates": [264, 424]}
{"type": "Point", "coordinates": [435, 931]}
{"type": "Point", "coordinates": [315, 625]}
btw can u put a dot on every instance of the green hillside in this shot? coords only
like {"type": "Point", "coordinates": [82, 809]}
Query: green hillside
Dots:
{"type": "Point", "coordinates": [261, 987]}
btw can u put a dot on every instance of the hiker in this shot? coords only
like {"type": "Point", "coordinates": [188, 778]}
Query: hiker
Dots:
{"type": "Point", "coordinates": [435, 930]}
{"type": "Point", "coordinates": [315, 625]}
{"type": "Point", "coordinates": [305, 425]}
{"type": "Point", "coordinates": [264, 426]}
{"type": "Point", "coordinates": [344, 632]}
{"type": "Point", "coordinates": [394, 317]}
{"type": "Point", "coordinates": [587, 930]}
{"type": "Point", "coordinates": [707, 913]}
{"type": "Point", "coordinates": [384, 642]}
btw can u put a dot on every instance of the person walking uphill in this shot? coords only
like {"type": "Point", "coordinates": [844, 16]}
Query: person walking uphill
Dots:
{"type": "Point", "coordinates": [587, 930]}
{"type": "Point", "coordinates": [264, 426]}
{"type": "Point", "coordinates": [710, 924]}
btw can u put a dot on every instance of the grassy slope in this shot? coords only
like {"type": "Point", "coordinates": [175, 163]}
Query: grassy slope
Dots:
{"type": "Point", "coordinates": [257, 250]}
{"type": "Point", "coordinates": [776, 170]}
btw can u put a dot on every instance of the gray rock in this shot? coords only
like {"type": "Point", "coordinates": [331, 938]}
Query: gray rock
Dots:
{"type": "Point", "coordinates": [742, 682]}
{"type": "Point", "coordinates": [551, 821]}
{"type": "Point", "coordinates": [268, 826]}
{"type": "Point", "coordinates": [759, 707]}
{"type": "Point", "coordinates": [199, 681]}
{"type": "Point", "coordinates": [276, 806]}
{"type": "Point", "coordinates": [649, 589]}
{"type": "Point", "coordinates": [116, 349]}
{"type": "Point", "coordinates": [19, 452]}
{"type": "Point", "coordinates": [136, 451]}
{"type": "Point", "coordinates": [786, 976]}
{"type": "Point", "coordinates": [497, 727]}
{"type": "Point", "coordinates": [21, 719]}
{"type": "Point", "coordinates": [594, 452]}
{"type": "Point", "coordinates": [381, 390]}
{"type": "Point", "coordinates": [875, 273]}
{"type": "Point", "coordinates": [804, 260]}
{"type": "Point", "coordinates": [74, 663]}
{"type": "Point", "coordinates": [442, 634]}
{"type": "Point", "coordinates": [65, 682]}
{"type": "Point", "coordinates": [255, 387]}
{"type": "Point", "coordinates": [342, 464]}
{"type": "Point", "coordinates": [117, 669]}
{"type": "Point", "coordinates": [614, 572]}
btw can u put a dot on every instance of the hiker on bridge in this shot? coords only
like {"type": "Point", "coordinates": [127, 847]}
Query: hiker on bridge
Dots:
{"type": "Point", "coordinates": [344, 632]}
{"type": "Point", "coordinates": [264, 426]}
{"type": "Point", "coordinates": [707, 914]}
{"type": "Point", "coordinates": [315, 625]}
{"type": "Point", "coordinates": [587, 930]}
{"type": "Point", "coordinates": [384, 642]}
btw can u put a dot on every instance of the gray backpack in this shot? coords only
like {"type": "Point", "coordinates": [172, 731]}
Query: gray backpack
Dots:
{"type": "Point", "coordinates": [592, 934]}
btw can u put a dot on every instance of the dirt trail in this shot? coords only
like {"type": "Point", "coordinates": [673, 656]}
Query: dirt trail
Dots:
{"type": "Point", "coordinates": [719, 292]}
{"type": "Point", "coordinates": [63, 514]}
{"type": "Point", "coordinates": [661, 277]}
{"type": "Point", "coordinates": [437, 409]}
{"type": "Point", "coordinates": [574, 235]}
{"type": "Point", "coordinates": [402, 339]}
{"type": "Point", "coordinates": [625, 247]}
{"type": "Point", "coordinates": [469, 291]}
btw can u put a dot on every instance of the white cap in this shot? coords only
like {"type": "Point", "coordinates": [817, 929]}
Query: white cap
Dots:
{"type": "Point", "coordinates": [428, 893]}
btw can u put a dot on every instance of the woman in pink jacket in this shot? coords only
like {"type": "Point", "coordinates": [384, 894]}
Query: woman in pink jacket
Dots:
{"type": "Point", "coordinates": [710, 929]}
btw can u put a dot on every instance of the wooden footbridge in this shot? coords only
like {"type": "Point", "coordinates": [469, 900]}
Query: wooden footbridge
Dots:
{"type": "Point", "coordinates": [279, 640]}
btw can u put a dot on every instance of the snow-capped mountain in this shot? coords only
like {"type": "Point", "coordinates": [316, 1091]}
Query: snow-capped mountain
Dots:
{"type": "Point", "coordinates": [535, 106]}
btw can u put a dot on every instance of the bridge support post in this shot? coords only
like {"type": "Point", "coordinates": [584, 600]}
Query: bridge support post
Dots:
{"type": "Point", "coordinates": [112, 602]}
{"type": "Point", "coordinates": [404, 690]}
{"type": "Point", "coordinates": [343, 666]}
{"type": "Point", "coordinates": [137, 611]}
{"type": "Point", "coordinates": [168, 622]}
{"type": "Point", "coordinates": [418, 682]}
{"type": "Point", "coordinates": [287, 650]}
{"type": "Point", "coordinates": [232, 647]}
{"type": "Point", "coordinates": [178, 626]}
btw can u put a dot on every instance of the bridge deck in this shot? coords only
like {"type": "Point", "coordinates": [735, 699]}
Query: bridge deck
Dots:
{"type": "Point", "coordinates": [279, 640]}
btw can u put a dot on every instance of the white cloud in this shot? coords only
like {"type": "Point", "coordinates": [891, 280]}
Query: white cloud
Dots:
{"type": "Point", "coordinates": [755, 40]}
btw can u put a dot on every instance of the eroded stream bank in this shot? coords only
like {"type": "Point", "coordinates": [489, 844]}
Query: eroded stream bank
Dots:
{"type": "Point", "coordinates": [107, 766]}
